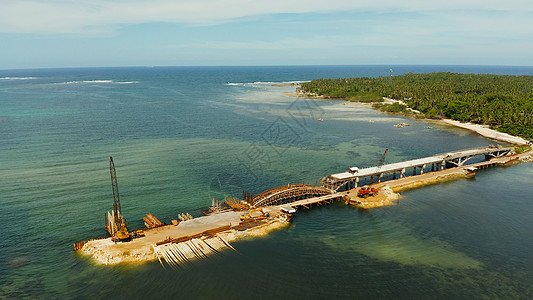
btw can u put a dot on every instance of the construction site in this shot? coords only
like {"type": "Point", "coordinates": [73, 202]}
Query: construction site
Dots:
{"type": "Point", "coordinates": [189, 238]}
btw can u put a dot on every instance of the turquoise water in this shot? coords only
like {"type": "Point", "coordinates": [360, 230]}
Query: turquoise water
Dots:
{"type": "Point", "coordinates": [180, 136]}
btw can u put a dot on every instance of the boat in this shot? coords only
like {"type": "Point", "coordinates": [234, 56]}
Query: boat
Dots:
{"type": "Point", "coordinates": [320, 119]}
{"type": "Point", "coordinates": [400, 125]}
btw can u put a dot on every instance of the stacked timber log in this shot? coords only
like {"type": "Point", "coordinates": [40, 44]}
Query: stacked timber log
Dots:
{"type": "Point", "coordinates": [152, 222]}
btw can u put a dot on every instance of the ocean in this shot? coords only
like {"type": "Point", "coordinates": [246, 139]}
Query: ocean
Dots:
{"type": "Point", "coordinates": [180, 136]}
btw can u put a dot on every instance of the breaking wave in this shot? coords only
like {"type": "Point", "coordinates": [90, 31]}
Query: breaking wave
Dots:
{"type": "Point", "coordinates": [17, 78]}
{"type": "Point", "coordinates": [97, 81]}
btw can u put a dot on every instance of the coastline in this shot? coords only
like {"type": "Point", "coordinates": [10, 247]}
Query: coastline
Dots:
{"type": "Point", "coordinates": [487, 132]}
{"type": "Point", "coordinates": [483, 130]}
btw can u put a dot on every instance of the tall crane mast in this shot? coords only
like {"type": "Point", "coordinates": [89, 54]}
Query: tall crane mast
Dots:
{"type": "Point", "coordinates": [117, 210]}
{"type": "Point", "coordinates": [115, 223]}
{"type": "Point", "coordinates": [381, 161]}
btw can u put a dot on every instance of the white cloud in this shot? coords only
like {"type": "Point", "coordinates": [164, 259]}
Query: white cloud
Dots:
{"type": "Point", "coordinates": [62, 16]}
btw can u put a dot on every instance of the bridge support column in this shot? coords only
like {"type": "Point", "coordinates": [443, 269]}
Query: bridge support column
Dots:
{"type": "Point", "coordinates": [402, 174]}
{"type": "Point", "coordinates": [443, 165]}
{"type": "Point", "coordinates": [422, 170]}
{"type": "Point", "coordinates": [380, 176]}
{"type": "Point", "coordinates": [414, 171]}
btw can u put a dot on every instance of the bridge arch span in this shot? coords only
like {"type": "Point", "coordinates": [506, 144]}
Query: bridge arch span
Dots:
{"type": "Point", "coordinates": [289, 193]}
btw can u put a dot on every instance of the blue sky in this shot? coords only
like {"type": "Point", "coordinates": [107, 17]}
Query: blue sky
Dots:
{"type": "Point", "coordinates": [81, 33]}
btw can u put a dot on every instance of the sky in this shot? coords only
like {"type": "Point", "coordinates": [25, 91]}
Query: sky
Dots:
{"type": "Point", "coordinates": [106, 33]}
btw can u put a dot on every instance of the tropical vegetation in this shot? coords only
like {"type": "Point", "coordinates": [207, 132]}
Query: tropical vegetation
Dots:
{"type": "Point", "coordinates": [501, 101]}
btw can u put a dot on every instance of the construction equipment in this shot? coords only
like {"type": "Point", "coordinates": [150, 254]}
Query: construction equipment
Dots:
{"type": "Point", "coordinates": [245, 216]}
{"type": "Point", "coordinates": [366, 191]}
{"type": "Point", "coordinates": [137, 234]}
{"type": "Point", "coordinates": [115, 222]}
{"type": "Point", "coordinates": [381, 161]}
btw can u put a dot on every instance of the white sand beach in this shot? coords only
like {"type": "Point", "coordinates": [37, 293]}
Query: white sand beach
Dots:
{"type": "Point", "coordinates": [483, 130]}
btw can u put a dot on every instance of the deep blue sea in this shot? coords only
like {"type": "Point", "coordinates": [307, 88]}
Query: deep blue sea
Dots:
{"type": "Point", "coordinates": [180, 136]}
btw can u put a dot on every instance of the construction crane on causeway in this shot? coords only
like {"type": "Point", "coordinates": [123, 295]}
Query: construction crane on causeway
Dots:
{"type": "Point", "coordinates": [115, 222]}
{"type": "Point", "coordinates": [367, 191]}
{"type": "Point", "coordinates": [381, 161]}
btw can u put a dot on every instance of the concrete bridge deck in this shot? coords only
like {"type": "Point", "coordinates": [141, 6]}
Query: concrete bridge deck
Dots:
{"type": "Point", "coordinates": [438, 162]}
{"type": "Point", "coordinates": [317, 200]}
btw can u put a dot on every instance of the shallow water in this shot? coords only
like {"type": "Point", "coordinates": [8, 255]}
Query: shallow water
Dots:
{"type": "Point", "coordinates": [180, 136]}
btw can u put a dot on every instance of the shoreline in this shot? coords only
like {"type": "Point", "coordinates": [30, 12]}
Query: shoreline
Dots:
{"type": "Point", "coordinates": [483, 130]}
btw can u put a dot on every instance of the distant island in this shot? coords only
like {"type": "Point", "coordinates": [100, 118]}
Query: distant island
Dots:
{"type": "Point", "coordinates": [503, 102]}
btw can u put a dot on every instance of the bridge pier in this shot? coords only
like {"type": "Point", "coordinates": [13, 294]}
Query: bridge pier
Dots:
{"type": "Point", "coordinates": [439, 162]}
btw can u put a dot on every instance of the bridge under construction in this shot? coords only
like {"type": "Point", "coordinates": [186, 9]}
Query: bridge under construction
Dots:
{"type": "Point", "coordinates": [183, 241]}
{"type": "Point", "coordinates": [355, 176]}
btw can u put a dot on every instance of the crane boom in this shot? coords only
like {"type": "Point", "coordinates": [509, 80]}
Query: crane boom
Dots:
{"type": "Point", "coordinates": [382, 159]}
{"type": "Point", "coordinates": [115, 223]}
{"type": "Point", "coordinates": [114, 184]}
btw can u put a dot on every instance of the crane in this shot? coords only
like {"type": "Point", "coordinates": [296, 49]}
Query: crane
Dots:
{"type": "Point", "coordinates": [367, 191]}
{"type": "Point", "coordinates": [381, 161]}
{"type": "Point", "coordinates": [115, 222]}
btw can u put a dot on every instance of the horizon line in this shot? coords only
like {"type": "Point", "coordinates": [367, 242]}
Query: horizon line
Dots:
{"type": "Point", "coordinates": [274, 65]}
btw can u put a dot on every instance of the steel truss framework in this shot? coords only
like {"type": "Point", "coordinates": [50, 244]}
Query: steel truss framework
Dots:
{"type": "Point", "coordinates": [289, 193]}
